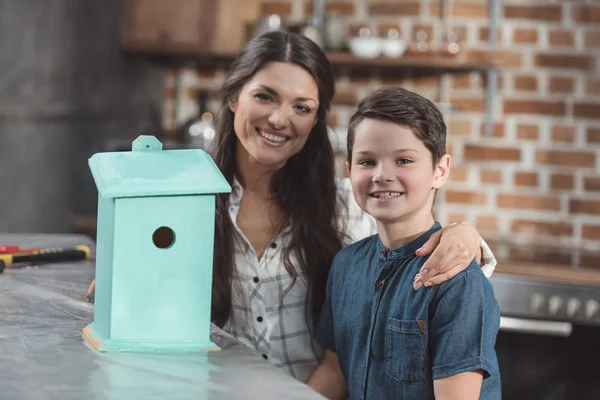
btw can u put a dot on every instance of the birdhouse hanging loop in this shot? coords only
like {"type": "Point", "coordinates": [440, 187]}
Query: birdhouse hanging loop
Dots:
{"type": "Point", "coordinates": [146, 143]}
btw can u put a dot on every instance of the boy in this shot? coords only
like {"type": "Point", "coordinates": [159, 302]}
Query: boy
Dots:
{"type": "Point", "coordinates": [384, 340]}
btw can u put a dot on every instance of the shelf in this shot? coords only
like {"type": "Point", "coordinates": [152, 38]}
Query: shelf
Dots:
{"type": "Point", "coordinates": [458, 63]}
{"type": "Point", "coordinates": [182, 56]}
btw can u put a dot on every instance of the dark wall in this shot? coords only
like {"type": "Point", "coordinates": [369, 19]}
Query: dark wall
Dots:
{"type": "Point", "coordinates": [65, 90]}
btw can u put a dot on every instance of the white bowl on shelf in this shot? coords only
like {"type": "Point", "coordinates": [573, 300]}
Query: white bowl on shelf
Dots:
{"type": "Point", "coordinates": [366, 47]}
{"type": "Point", "coordinates": [393, 48]}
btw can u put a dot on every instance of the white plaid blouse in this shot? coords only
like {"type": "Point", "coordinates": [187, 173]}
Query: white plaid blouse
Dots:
{"type": "Point", "coordinates": [280, 328]}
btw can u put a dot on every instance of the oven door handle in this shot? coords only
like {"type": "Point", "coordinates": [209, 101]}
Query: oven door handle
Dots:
{"type": "Point", "coordinates": [536, 326]}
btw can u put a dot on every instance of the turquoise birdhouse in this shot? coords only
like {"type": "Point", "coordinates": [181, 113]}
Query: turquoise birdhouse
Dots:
{"type": "Point", "coordinates": [154, 251]}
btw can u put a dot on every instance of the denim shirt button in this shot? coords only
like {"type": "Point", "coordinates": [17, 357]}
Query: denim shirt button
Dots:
{"type": "Point", "coordinates": [380, 284]}
{"type": "Point", "coordinates": [384, 252]}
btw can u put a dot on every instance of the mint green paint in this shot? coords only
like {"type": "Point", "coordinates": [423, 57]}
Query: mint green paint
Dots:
{"type": "Point", "coordinates": [171, 285]}
{"type": "Point", "coordinates": [148, 172]}
{"type": "Point", "coordinates": [104, 257]}
{"type": "Point", "coordinates": [148, 298]}
{"type": "Point", "coordinates": [149, 346]}
{"type": "Point", "coordinates": [146, 143]}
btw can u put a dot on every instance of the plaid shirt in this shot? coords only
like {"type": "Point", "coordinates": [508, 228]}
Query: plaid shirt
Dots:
{"type": "Point", "coordinates": [279, 327]}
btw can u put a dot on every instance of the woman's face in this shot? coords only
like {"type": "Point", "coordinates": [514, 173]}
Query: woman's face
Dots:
{"type": "Point", "coordinates": [274, 113]}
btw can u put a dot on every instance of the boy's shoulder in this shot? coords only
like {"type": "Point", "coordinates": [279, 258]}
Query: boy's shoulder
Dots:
{"type": "Point", "coordinates": [365, 245]}
{"type": "Point", "coordinates": [471, 276]}
{"type": "Point", "coordinates": [357, 251]}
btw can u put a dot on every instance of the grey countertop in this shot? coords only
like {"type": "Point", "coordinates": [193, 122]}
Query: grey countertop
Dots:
{"type": "Point", "coordinates": [43, 356]}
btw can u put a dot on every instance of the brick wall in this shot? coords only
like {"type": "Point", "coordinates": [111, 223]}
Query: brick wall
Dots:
{"type": "Point", "coordinates": [532, 188]}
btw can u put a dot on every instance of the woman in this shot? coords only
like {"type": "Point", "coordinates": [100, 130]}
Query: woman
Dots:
{"type": "Point", "coordinates": [279, 229]}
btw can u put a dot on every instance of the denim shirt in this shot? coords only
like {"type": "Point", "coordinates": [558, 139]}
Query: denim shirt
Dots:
{"type": "Point", "coordinates": [392, 342]}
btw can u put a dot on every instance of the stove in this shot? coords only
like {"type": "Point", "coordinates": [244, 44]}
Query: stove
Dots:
{"type": "Point", "coordinates": [549, 331]}
{"type": "Point", "coordinates": [563, 294]}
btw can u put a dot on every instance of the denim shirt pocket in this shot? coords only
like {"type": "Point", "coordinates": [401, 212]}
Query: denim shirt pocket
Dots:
{"type": "Point", "coordinates": [405, 350]}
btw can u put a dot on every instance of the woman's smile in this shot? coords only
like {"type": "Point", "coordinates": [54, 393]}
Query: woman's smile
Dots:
{"type": "Point", "coordinates": [274, 114]}
{"type": "Point", "coordinates": [272, 138]}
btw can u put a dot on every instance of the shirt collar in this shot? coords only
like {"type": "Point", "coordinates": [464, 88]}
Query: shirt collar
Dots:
{"type": "Point", "coordinates": [408, 249]}
{"type": "Point", "coordinates": [234, 198]}
{"type": "Point", "coordinates": [234, 203]}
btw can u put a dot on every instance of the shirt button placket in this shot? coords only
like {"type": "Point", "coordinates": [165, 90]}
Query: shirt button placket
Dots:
{"type": "Point", "coordinates": [380, 283]}
{"type": "Point", "coordinates": [258, 314]}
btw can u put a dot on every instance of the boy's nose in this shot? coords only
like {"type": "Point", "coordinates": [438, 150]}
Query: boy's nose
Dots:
{"type": "Point", "coordinates": [380, 179]}
{"type": "Point", "coordinates": [382, 175]}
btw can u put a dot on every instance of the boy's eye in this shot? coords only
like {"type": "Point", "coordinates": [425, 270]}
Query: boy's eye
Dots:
{"type": "Point", "coordinates": [404, 161]}
{"type": "Point", "coordinates": [366, 163]}
{"type": "Point", "coordinates": [262, 96]}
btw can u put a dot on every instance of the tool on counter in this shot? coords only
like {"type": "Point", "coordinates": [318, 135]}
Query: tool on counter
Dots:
{"type": "Point", "coordinates": [11, 248]}
{"type": "Point", "coordinates": [59, 254]}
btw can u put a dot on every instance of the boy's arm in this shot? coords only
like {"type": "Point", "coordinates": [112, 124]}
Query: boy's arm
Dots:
{"type": "Point", "coordinates": [328, 379]}
{"type": "Point", "coordinates": [464, 386]}
{"type": "Point", "coordinates": [462, 335]}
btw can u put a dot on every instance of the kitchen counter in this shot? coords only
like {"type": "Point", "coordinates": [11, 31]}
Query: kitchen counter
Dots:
{"type": "Point", "coordinates": [560, 273]}
{"type": "Point", "coordinates": [43, 356]}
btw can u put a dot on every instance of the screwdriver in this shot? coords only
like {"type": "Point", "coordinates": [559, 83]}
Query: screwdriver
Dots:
{"type": "Point", "coordinates": [59, 254]}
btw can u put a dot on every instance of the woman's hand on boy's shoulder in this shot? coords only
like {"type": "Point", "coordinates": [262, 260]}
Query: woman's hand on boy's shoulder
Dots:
{"type": "Point", "coordinates": [452, 249]}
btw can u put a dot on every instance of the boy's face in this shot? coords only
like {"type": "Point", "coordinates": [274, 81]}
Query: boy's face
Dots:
{"type": "Point", "coordinates": [392, 174]}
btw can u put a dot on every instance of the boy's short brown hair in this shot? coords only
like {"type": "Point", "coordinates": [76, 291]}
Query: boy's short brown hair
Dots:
{"type": "Point", "coordinates": [402, 107]}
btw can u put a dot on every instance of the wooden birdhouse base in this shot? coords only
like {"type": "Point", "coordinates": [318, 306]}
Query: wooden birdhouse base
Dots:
{"type": "Point", "coordinates": [98, 341]}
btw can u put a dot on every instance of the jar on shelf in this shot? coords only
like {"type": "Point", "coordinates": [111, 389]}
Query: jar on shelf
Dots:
{"type": "Point", "coordinates": [393, 45]}
{"type": "Point", "coordinates": [420, 45]}
{"type": "Point", "coordinates": [451, 47]}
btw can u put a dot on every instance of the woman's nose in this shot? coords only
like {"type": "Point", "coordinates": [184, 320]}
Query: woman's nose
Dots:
{"type": "Point", "coordinates": [278, 118]}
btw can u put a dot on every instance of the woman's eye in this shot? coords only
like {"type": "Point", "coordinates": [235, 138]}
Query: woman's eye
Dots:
{"type": "Point", "coordinates": [303, 109]}
{"type": "Point", "coordinates": [404, 161]}
{"type": "Point", "coordinates": [262, 96]}
{"type": "Point", "coordinates": [366, 163]}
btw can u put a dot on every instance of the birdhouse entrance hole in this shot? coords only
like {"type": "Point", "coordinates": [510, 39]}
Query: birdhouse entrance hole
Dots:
{"type": "Point", "coordinates": [163, 237]}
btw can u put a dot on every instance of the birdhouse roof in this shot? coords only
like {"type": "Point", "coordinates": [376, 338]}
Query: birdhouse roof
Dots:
{"type": "Point", "coordinates": [147, 170]}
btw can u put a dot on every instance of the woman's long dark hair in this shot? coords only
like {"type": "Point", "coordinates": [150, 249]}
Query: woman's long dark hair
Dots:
{"type": "Point", "coordinates": [304, 188]}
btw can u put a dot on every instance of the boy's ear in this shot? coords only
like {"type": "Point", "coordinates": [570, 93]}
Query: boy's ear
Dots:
{"type": "Point", "coordinates": [347, 168]}
{"type": "Point", "coordinates": [441, 172]}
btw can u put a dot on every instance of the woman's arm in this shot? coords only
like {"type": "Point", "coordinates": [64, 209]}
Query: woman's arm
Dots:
{"type": "Point", "coordinates": [91, 292]}
{"type": "Point", "coordinates": [328, 379]}
{"type": "Point", "coordinates": [452, 249]}
{"type": "Point", "coordinates": [463, 386]}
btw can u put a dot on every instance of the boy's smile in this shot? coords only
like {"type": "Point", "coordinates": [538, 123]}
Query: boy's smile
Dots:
{"type": "Point", "coordinates": [392, 174]}
{"type": "Point", "coordinates": [385, 195]}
